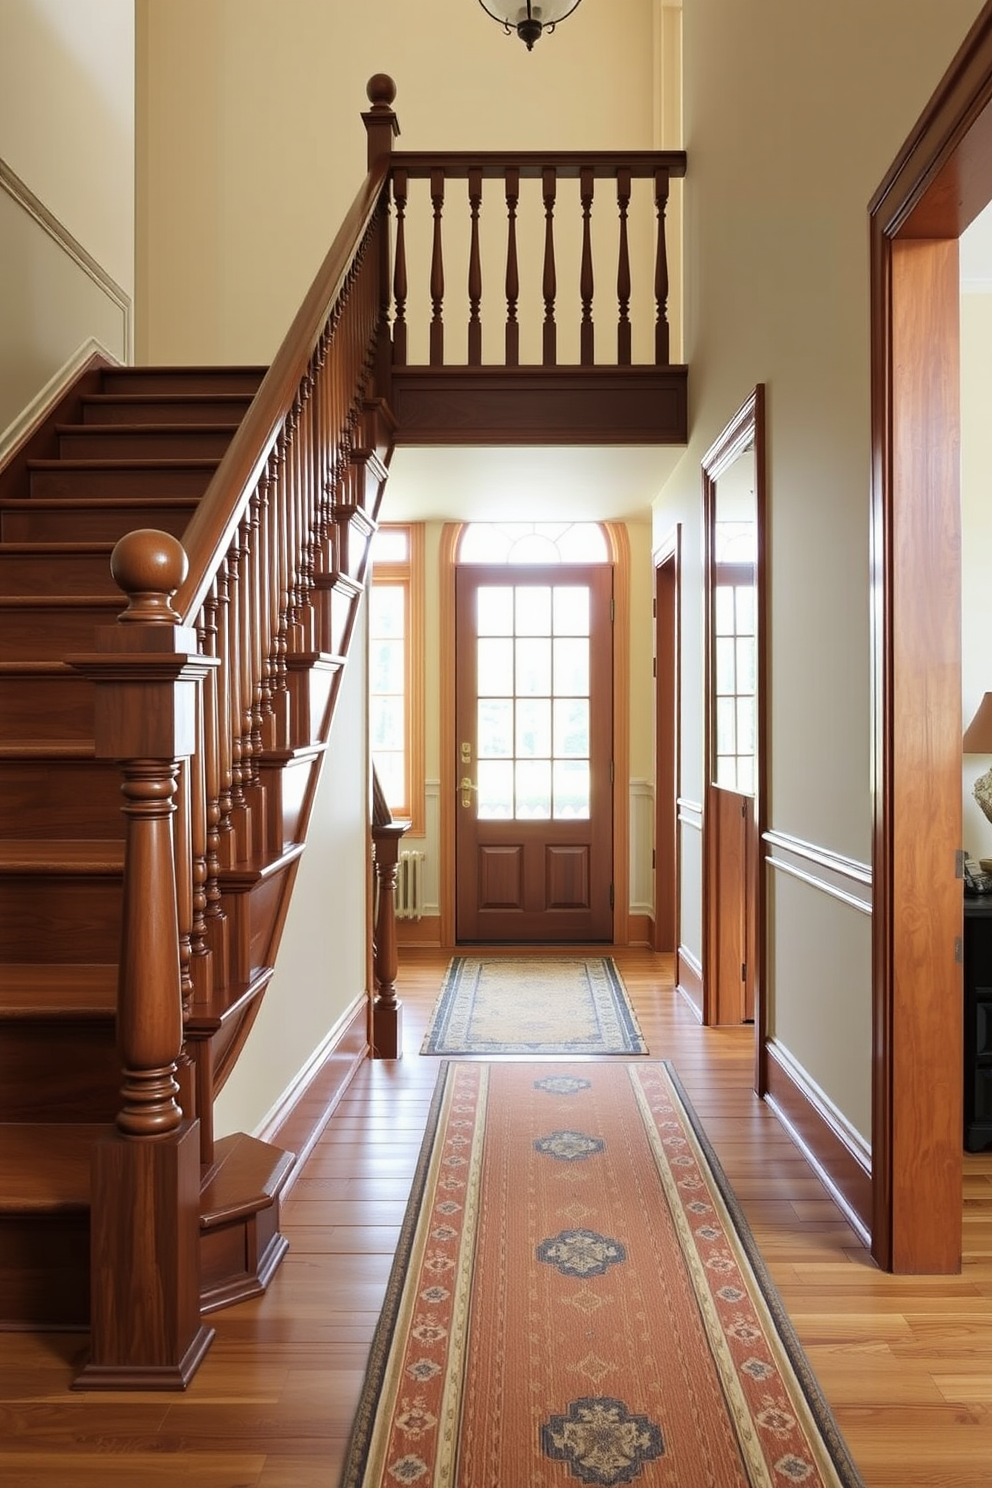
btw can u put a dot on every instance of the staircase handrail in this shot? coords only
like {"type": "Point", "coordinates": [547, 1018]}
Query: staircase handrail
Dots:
{"type": "Point", "coordinates": [208, 537]}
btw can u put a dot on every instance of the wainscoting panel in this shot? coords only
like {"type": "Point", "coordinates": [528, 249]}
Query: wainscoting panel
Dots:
{"type": "Point", "coordinates": [818, 1008]}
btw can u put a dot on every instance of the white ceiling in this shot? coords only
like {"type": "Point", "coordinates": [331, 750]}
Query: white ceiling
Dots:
{"type": "Point", "coordinates": [590, 483]}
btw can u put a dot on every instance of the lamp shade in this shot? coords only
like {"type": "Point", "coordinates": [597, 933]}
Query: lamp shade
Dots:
{"type": "Point", "coordinates": [531, 18]}
{"type": "Point", "coordinates": [978, 734]}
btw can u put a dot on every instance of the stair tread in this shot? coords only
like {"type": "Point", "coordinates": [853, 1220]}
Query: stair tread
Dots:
{"type": "Point", "coordinates": [45, 1166]}
{"type": "Point", "coordinates": [55, 549]}
{"type": "Point", "coordinates": [61, 601]}
{"type": "Point", "coordinates": [67, 503]}
{"type": "Point", "coordinates": [47, 749]}
{"type": "Point", "coordinates": [62, 855]}
{"type": "Point", "coordinates": [242, 1165]}
{"type": "Point", "coordinates": [51, 989]}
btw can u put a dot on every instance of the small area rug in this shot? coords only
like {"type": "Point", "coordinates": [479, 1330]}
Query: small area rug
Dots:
{"type": "Point", "coordinates": [577, 1298]}
{"type": "Point", "coordinates": [534, 1005]}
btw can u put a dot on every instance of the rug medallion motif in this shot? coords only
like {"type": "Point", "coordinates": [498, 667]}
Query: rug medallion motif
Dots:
{"type": "Point", "coordinates": [577, 1300]}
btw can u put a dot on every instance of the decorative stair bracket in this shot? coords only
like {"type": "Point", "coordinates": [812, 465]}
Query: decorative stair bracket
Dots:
{"type": "Point", "coordinates": [144, 1228]}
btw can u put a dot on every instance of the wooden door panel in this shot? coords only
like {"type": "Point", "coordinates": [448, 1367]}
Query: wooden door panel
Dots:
{"type": "Point", "coordinates": [501, 877]}
{"type": "Point", "coordinates": [567, 877]}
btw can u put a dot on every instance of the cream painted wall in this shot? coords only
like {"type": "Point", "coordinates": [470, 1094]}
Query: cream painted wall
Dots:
{"type": "Point", "coordinates": [321, 970]}
{"type": "Point", "coordinates": [976, 545]}
{"type": "Point", "coordinates": [789, 128]}
{"type": "Point", "coordinates": [67, 118]}
{"type": "Point", "coordinates": [67, 145]}
{"type": "Point", "coordinates": [252, 147]}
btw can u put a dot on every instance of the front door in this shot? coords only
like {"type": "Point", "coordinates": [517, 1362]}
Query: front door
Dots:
{"type": "Point", "coordinates": [533, 741]}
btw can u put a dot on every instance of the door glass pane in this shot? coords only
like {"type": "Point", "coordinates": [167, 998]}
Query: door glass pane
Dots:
{"type": "Point", "coordinates": [726, 726]}
{"type": "Point", "coordinates": [745, 609]}
{"type": "Point", "coordinates": [571, 727]}
{"type": "Point", "coordinates": [571, 668]}
{"type": "Point", "coordinates": [745, 775]}
{"type": "Point", "coordinates": [725, 664]}
{"type": "Point", "coordinates": [723, 610]}
{"type": "Point", "coordinates": [495, 782]}
{"type": "Point", "coordinates": [534, 728]}
{"type": "Point", "coordinates": [533, 790]}
{"type": "Point", "coordinates": [745, 664]}
{"type": "Point", "coordinates": [571, 789]}
{"type": "Point", "coordinates": [496, 667]}
{"type": "Point", "coordinates": [533, 611]}
{"type": "Point", "coordinates": [495, 610]}
{"type": "Point", "coordinates": [533, 667]}
{"type": "Point", "coordinates": [495, 736]}
{"type": "Point", "coordinates": [726, 771]}
{"type": "Point", "coordinates": [571, 610]}
{"type": "Point", "coordinates": [745, 725]}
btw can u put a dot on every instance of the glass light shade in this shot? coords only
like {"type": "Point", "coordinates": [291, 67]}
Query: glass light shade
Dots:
{"type": "Point", "coordinates": [530, 19]}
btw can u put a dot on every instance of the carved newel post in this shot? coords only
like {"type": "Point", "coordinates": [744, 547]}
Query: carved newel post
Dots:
{"type": "Point", "coordinates": [144, 1228]}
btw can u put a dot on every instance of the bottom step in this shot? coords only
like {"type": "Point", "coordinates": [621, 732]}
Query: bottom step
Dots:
{"type": "Point", "coordinates": [45, 1222]}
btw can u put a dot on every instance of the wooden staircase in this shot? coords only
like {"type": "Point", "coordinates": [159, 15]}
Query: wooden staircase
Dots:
{"type": "Point", "coordinates": [133, 448]}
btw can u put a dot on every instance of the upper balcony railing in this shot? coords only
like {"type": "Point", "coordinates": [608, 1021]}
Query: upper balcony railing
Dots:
{"type": "Point", "coordinates": [506, 265]}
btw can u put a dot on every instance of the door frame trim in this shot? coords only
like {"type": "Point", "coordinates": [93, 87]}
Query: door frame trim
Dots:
{"type": "Point", "coordinates": [939, 182]}
{"type": "Point", "coordinates": [746, 427]}
{"type": "Point", "coordinates": [667, 562]}
{"type": "Point", "coordinates": [619, 545]}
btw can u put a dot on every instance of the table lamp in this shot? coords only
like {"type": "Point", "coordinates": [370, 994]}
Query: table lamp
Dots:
{"type": "Point", "coordinates": [978, 740]}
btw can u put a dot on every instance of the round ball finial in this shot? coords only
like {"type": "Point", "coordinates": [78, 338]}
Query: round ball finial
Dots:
{"type": "Point", "coordinates": [381, 90]}
{"type": "Point", "coordinates": [149, 567]}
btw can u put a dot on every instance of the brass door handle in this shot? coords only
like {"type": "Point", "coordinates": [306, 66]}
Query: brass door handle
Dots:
{"type": "Point", "coordinates": [466, 786]}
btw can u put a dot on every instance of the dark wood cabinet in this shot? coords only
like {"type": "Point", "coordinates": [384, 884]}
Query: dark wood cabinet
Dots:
{"type": "Point", "coordinates": [977, 1024]}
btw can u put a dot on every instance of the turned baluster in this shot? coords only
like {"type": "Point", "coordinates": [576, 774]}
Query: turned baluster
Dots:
{"type": "Point", "coordinates": [661, 351]}
{"type": "Point", "coordinates": [144, 1190]}
{"type": "Point", "coordinates": [474, 270]}
{"type": "Point", "coordinates": [399, 270]}
{"type": "Point", "coordinates": [587, 353]}
{"type": "Point", "coordinates": [512, 274]}
{"type": "Point", "coordinates": [549, 184]}
{"type": "Point", "coordinates": [623, 270]}
{"type": "Point", "coordinates": [437, 273]}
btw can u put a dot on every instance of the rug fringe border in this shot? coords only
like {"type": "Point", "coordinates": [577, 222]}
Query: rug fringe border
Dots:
{"type": "Point", "coordinates": [796, 1354]}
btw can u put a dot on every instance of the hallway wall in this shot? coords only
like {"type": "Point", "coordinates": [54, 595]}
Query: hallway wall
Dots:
{"type": "Point", "coordinates": [791, 120]}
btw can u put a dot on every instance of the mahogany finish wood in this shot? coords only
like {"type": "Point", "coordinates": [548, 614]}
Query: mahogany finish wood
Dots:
{"type": "Point", "coordinates": [387, 1011]}
{"type": "Point", "coordinates": [903, 1361]}
{"type": "Point", "coordinates": [938, 183]}
{"type": "Point", "coordinates": [526, 405]}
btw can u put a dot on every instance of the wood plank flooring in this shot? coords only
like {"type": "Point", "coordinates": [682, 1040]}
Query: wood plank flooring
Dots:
{"type": "Point", "coordinates": [905, 1362]}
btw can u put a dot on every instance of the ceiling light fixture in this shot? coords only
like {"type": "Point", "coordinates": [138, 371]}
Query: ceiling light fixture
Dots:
{"type": "Point", "coordinates": [529, 20]}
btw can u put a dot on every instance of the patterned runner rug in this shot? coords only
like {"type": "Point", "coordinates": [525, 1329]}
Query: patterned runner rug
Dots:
{"type": "Point", "coordinates": [533, 1005]}
{"type": "Point", "coordinates": [577, 1299]}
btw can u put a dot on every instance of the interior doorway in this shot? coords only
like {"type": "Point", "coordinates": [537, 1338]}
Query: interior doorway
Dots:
{"type": "Point", "coordinates": [667, 559]}
{"type": "Point", "coordinates": [733, 477]}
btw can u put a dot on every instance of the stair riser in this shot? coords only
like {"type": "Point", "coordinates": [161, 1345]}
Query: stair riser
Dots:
{"type": "Point", "coordinates": [118, 483]}
{"type": "Point", "coordinates": [59, 1070]}
{"type": "Point", "coordinates": [45, 1270]}
{"type": "Point", "coordinates": [59, 917]}
{"type": "Point", "coordinates": [35, 523]}
{"type": "Point", "coordinates": [70, 798]}
{"type": "Point", "coordinates": [46, 707]}
{"type": "Point", "coordinates": [209, 381]}
{"type": "Point", "coordinates": [36, 634]}
{"type": "Point", "coordinates": [124, 443]}
{"type": "Point", "coordinates": [150, 410]}
{"type": "Point", "coordinates": [57, 573]}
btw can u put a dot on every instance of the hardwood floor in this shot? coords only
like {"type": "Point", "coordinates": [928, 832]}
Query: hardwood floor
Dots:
{"type": "Point", "coordinates": [905, 1362]}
